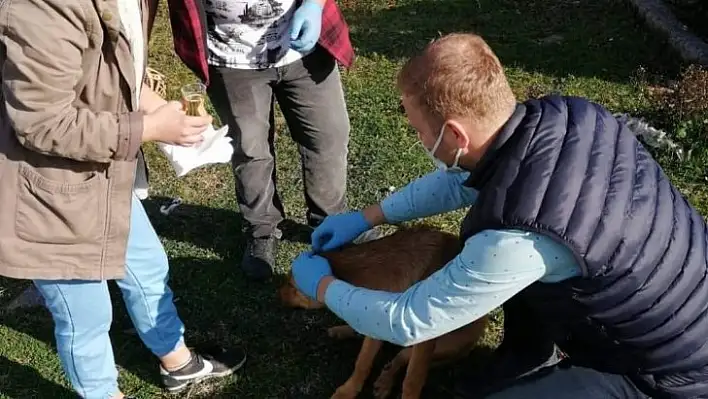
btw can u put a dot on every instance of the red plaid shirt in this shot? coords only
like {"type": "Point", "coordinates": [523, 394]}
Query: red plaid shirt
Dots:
{"type": "Point", "coordinates": [189, 32]}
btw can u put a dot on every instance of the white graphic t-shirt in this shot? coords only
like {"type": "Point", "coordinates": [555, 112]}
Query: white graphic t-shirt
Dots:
{"type": "Point", "coordinates": [250, 34]}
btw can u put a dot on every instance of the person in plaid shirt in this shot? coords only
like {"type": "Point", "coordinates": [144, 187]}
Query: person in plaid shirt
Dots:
{"type": "Point", "coordinates": [250, 53]}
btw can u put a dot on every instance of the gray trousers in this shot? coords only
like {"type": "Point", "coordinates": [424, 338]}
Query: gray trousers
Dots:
{"type": "Point", "coordinates": [311, 98]}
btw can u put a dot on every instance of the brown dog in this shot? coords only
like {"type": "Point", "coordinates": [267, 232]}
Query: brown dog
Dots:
{"type": "Point", "coordinates": [393, 264]}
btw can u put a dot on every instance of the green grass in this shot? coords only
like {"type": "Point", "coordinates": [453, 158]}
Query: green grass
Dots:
{"type": "Point", "coordinates": [590, 48]}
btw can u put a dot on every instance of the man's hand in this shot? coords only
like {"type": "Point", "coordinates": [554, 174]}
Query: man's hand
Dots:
{"type": "Point", "coordinates": [337, 230]}
{"type": "Point", "coordinates": [306, 26]}
{"type": "Point", "coordinates": [170, 124]}
{"type": "Point", "coordinates": [341, 229]}
{"type": "Point", "coordinates": [308, 270]}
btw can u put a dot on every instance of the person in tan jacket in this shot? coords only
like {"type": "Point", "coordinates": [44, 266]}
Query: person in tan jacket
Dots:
{"type": "Point", "coordinates": [73, 115]}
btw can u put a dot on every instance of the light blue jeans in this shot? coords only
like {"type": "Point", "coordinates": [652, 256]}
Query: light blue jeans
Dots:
{"type": "Point", "coordinates": [82, 312]}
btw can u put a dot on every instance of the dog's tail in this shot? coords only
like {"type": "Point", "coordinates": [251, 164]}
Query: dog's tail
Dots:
{"type": "Point", "coordinates": [650, 135]}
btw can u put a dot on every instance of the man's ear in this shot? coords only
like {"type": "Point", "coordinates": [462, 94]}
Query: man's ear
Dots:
{"type": "Point", "coordinates": [460, 132]}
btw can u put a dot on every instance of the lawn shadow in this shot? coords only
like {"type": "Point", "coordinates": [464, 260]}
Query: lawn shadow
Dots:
{"type": "Point", "coordinates": [22, 381]}
{"type": "Point", "coordinates": [601, 39]}
{"type": "Point", "coordinates": [217, 229]}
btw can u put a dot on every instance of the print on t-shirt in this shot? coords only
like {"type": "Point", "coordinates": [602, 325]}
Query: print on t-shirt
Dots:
{"type": "Point", "coordinates": [250, 34]}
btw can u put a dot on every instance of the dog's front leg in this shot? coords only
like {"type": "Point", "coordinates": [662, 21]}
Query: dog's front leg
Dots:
{"type": "Point", "coordinates": [417, 371]}
{"type": "Point", "coordinates": [384, 383]}
{"type": "Point", "coordinates": [362, 369]}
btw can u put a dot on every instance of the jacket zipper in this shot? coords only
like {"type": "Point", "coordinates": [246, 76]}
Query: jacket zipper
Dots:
{"type": "Point", "coordinates": [107, 218]}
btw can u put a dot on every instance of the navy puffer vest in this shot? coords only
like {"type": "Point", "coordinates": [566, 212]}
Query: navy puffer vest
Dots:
{"type": "Point", "coordinates": [564, 167]}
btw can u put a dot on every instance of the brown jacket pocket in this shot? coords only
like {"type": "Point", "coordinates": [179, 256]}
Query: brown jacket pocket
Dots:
{"type": "Point", "coordinates": [50, 212]}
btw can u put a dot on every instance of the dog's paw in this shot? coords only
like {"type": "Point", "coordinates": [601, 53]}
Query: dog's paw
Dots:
{"type": "Point", "coordinates": [383, 385]}
{"type": "Point", "coordinates": [346, 391]}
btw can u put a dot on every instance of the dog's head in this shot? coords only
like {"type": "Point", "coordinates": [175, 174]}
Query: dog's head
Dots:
{"type": "Point", "coordinates": [290, 296]}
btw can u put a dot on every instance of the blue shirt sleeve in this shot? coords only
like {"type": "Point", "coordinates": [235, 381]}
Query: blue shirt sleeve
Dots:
{"type": "Point", "coordinates": [492, 267]}
{"type": "Point", "coordinates": [432, 194]}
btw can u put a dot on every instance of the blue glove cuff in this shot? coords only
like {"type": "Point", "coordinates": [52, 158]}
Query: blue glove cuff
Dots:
{"type": "Point", "coordinates": [313, 288]}
{"type": "Point", "coordinates": [362, 220]}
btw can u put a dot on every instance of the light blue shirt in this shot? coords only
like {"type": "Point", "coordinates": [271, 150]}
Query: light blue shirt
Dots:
{"type": "Point", "coordinates": [493, 266]}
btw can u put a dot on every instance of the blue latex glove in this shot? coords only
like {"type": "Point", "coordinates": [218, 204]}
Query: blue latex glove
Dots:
{"type": "Point", "coordinates": [306, 26]}
{"type": "Point", "coordinates": [308, 269]}
{"type": "Point", "coordinates": [337, 230]}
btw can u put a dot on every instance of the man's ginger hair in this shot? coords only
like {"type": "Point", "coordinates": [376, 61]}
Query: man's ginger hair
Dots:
{"type": "Point", "coordinates": [458, 75]}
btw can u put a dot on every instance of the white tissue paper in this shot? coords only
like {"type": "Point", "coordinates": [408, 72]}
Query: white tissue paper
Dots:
{"type": "Point", "coordinates": [216, 148]}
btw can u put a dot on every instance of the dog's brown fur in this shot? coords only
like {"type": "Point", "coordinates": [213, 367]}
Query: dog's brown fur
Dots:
{"type": "Point", "coordinates": [393, 264]}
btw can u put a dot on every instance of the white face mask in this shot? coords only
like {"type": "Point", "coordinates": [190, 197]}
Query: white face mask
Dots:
{"type": "Point", "coordinates": [438, 163]}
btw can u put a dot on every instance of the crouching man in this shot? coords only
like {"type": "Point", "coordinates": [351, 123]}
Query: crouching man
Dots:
{"type": "Point", "coordinates": [575, 231]}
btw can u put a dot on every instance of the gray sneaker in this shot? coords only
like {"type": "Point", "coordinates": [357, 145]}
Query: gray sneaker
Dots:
{"type": "Point", "coordinates": [259, 258]}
